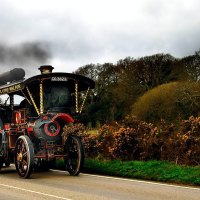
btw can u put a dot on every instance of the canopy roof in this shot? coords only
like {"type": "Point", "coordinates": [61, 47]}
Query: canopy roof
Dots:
{"type": "Point", "coordinates": [15, 88]}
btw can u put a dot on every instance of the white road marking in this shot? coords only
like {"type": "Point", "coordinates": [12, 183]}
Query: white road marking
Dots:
{"type": "Point", "coordinates": [140, 181]}
{"type": "Point", "coordinates": [134, 180]}
{"type": "Point", "coordinates": [41, 193]}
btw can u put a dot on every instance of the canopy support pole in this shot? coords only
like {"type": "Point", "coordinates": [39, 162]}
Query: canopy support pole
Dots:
{"type": "Point", "coordinates": [34, 104]}
{"type": "Point", "coordinates": [76, 95]}
{"type": "Point", "coordinates": [84, 100]}
{"type": "Point", "coordinates": [26, 97]}
{"type": "Point", "coordinates": [41, 98]}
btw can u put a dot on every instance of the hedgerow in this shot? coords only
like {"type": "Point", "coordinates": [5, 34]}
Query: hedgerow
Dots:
{"type": "Point", "coordinates": [133, 139]}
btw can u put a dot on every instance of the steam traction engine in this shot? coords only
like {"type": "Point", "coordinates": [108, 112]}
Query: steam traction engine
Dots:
{"type": "Point", "coordinates": [31, 133]}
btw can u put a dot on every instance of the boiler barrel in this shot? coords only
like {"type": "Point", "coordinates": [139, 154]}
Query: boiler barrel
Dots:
{"type": "Point", "coordinates": [12, 75]}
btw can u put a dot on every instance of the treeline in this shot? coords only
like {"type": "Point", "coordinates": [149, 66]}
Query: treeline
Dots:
{"type": "Point", "coordinates": [120, 85]}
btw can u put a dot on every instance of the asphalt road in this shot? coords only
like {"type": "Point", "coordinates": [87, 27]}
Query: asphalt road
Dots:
{"type": "Point", "coordinates": [59, 185]}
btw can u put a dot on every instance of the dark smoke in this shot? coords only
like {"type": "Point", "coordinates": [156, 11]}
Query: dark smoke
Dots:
{"type": "Point", "coordinates": [29, 56]}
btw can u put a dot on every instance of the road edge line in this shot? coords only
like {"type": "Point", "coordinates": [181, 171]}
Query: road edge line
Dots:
{"type": "Point", "coordinates": [134, 180]}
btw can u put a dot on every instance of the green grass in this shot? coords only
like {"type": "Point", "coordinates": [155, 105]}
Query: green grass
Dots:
{"type": "Point", "coordinates": [150, 170]}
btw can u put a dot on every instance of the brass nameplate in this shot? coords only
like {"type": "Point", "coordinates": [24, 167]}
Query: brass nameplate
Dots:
{"type": "Point", "coordinates": [59, 78]}
{"type": "Point", "coordinates": [11, 89]}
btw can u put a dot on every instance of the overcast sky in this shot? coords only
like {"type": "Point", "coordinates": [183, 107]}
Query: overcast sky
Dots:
{"type": "Point", "coordinates": [71, 33]}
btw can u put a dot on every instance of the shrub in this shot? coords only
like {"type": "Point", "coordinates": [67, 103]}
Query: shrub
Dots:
{"type": "Point", "coordinates": [125, 144]}
{"type": "Point", "coordinates": [105, 139]}
{"type": "Point", "coordinates": [172, 102]}
{"type": "Point", "coordinates": [190, 141]}
{"type": "Point", "coordinates": [77, 128]}
{"type": "Point", "coordinates": [133, 139]}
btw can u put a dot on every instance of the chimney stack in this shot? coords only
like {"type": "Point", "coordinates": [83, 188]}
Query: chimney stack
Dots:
{"type": "Point", "coordinates": [46, 69]}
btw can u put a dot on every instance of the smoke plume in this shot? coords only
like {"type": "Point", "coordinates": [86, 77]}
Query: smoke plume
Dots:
{"type": "Point", "coordinates": [29, 56]}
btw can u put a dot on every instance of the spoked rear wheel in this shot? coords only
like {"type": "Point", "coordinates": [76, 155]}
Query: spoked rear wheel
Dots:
{"type": "Point", "coordinates": [75, 156]}
{"type": "Point", "coordinates": [24, 156]}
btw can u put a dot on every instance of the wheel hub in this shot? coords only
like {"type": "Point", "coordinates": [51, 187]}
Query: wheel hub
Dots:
{"type": "Point", "coordinates": [19, 157]}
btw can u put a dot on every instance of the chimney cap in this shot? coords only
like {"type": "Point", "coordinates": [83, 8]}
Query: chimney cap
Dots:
{"type": "Point", "coordinates": [46, 69]}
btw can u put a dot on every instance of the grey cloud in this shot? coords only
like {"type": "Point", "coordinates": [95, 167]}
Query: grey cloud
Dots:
{"type": "Point", "coordinates": [150, 27]}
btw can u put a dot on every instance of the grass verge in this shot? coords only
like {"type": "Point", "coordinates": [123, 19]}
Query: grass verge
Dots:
{"type": "Point", "coordinates": [150, 170]}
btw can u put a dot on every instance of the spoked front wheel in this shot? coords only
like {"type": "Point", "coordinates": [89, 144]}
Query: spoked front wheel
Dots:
{"type": "Point", "coordinates": [24, 156]}
{"type": "Point", "coordinates": [74, 155]}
